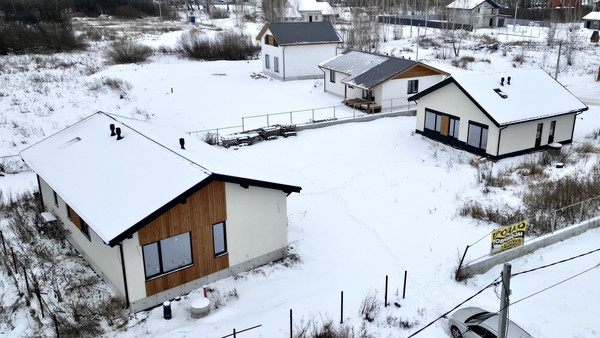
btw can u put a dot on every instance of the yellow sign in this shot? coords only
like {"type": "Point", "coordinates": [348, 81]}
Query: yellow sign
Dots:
{"type": "Point", "coordinates": [508, 237]}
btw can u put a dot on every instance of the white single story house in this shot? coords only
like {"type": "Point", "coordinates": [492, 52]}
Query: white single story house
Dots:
{"type": "Point", "coordinates": [157, 217]}
{"type": "Point", "coordinates": [307, 11]}
{"type": "Point", "coordinates": [381, 80]}
{"type": "Point", "coordinates": [592, 21]}
{"type": "Point", "coordinates": [476, 13]}
{"type": "Point", "coordinates": [292, 50]}
{"type": "Point", "coordinates": [498, 115]}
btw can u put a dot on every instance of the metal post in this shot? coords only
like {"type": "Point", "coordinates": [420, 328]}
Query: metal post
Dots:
{"type": "Point", "coordinates": [342, 308]}
{"type": "Point", "coordinates": [313, 115]}
{"type": "Point", "coordinates": [385, 302]}
{"type": "Point", "coordinates": [291, 118]}
{"type": "Point", "coordinates": [553, 225]}
{"type": "Point", "coordinates": [460, 264]}
{"type": "Point", "coordinates": [291, 331]}
{"type": "Point", "coordinates": [243, 124]}
{"type": "Point", "coordinates": [404, 289]}
{"type": "Point", "coordinates": [504, 301]}
{"type": "Point", "coordinates": [334, 112]}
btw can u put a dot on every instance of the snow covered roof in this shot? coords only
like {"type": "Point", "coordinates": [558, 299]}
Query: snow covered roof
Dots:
{"type": "Point", "coordinates": [315, 6]}
{"type": "Point", "coordinates": [117, 185]}
{"type": "Point", "coordinates": [527, 94]}
{"type": "Point", "coordinates": [296, 33]}
{"type": "Point", "coordinates": [592, 16]}
{"type": "Point", "coordinates": [469, 4]}
{"type": "Point", "coordinates": [366, 70]}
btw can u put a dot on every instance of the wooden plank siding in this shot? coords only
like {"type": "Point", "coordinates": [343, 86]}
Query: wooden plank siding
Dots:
{"type": "Point", "coordinates": [197, 215]}
{"type": "Point", "coordinates": [416, 71]}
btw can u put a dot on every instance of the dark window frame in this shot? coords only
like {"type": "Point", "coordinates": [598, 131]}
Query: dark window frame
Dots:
{"type": "Point", "coordinates": [55, 196]}
{"type": "Point", "coordinates": [331, 76]}
{"type": "Point", "coordinates": [224, 239]}
{"type": "Point", "coordinates": [453, 125]}
{"type": "Point", "coordinates": [69, 216]}
{"type": "Point", "coordinates": [161, 268]}
{"type": "Point", "coordinates": [482, 143]}
{"type": "Point", "coordinates": [85, 229]}
{"type": "Point", "coordinates": [413, 87]}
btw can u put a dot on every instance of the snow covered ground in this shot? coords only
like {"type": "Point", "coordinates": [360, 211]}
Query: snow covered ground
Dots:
{"type": "Point", "coordinates": [378, 200]}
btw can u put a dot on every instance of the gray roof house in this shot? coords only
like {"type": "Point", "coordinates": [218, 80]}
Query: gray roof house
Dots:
{"type": "Point", "coordinates": [499, 115]}
{"type": "Point", "coordinates": [292, 50]}
{"type": "Point", "coordinates": [475, 13]}
{"type": "Point", "coordinates": [376, 81]}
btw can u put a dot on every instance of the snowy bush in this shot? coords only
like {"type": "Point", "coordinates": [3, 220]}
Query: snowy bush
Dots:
{"type": "Point", "coordinates": [127, 51]}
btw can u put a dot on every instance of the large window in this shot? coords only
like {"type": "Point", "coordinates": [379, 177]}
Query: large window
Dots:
{"type": "Point", "coordinates": [167, 255]}
{"type": "Point", "coordinates": [442, 123]}
{"type": "Point", "coordinates": [267, 62]}
{"type": "Point", "coordinates": [219, 239]}
{"type": "Point", "coordinates": [276, 64]}
{"type": "Point", "coordinates": [477, 136]}
{"type": "Point", "coordinates": [55, 196]}
{"type": "Point", "coordinates": [85, 230]}
{"type": "Point", "coordinates": [413, 87]}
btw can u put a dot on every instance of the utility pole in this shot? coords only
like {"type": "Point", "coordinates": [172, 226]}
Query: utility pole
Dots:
{"type": "Point", "coordinates": [504, 301]}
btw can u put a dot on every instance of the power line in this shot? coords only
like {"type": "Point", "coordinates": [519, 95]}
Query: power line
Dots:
{"type": "Point", "coordinates": [555, 263]}
{"type": "Point", "coordinates": [454, 308]}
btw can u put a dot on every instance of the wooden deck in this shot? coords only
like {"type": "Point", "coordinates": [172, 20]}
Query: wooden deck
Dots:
{"type": "Point", "coordinates": [362, 104]}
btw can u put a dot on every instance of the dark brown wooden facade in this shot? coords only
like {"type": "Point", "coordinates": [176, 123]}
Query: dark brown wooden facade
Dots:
{"type": "Point", "coordinates": [197, 215]}
{"type": "Point", "coordinates": [418, 70]}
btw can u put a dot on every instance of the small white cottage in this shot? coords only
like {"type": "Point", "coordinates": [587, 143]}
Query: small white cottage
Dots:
{"type": "Point", "coordinates": [498, 115]}
{"type": "Point", "coordinates": [293, 50]}
{"type": "Point", "coordinates": [154, 215]}
{"type": "Point", "coordinates": [475, 13]}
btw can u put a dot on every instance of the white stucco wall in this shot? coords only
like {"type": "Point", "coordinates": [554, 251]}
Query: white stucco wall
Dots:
{"type": "Point", "coordinates": [301, 61]}
{"type": "Point", "coordinates": [256, 222]}
{"type": "Point", "coordinates": [105, 260]}
{"type": "Point", "coordinates": [272, 52]}
{"type": "Point", "coordinates": [397, 89]}
{"type": "Point", "coordinates": [336, 88]}
{"type": "Point", "coordinates": [134, 264]}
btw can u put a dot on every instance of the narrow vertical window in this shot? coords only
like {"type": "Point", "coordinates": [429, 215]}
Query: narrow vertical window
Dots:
{"type": "Point", "coordinates": [276, 64]}
{"type": "Point", "coordinates": [55, 196]}
{"type": "Point", "coordinates": [85, 230]}
{"type": "Point", "coordinates": [219, 239]}
{"type": "Point", "coordinates": [413, 87]}
{"type": "Point", "coordinates": [551, 132]}
{"type": "Point", "coordinates": [331, 76]}
{"type": "Point", "coordinates": [69, 216]}
{"type": "Point", "coordinates": [267, 63]}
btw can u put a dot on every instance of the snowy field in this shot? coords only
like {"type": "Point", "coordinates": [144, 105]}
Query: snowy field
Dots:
{"type": "Point", "coordinates": [377, 199]}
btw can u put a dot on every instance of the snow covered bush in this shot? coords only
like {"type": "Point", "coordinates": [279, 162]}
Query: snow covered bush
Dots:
{"type": "Point", "coordinates": [128, 51]}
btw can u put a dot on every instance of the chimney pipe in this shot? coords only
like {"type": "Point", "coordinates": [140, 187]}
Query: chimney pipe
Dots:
{"type": "Point", "coordinates": [118, 130]}
{"type": "Point", "coordinates": [502, 81]}
{"type": "Point", "coordinates": [112, 130]}
{"type": "Point", "coordinates": [182, 143]}
{"type": "Point", "coordinates": [508, 81]}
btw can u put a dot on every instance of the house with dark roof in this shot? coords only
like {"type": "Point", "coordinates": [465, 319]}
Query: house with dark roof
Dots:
{"type": "Point", "coordinates": [592, 21]}
{"type": "Point", "coordinates": [475, 13]}
{"type": "Point", "coordinates": [154, 215]}
{"type": "Point", "coordinates": [499, 115]}
{"type": "Point", "coordinates": [292, 50]}
{"type": "Point", "coordinates": [374, 80]}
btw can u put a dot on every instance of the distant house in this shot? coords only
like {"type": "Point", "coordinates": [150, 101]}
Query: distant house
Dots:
{"type": "Point", "coordinates": [564, 3]}
{"type": "Point", "coordinates": [361, 77]}
{"type": "Point", "coordinates": [476, 13]}
{"type": "Point", "coordinates": [498, 115]}
{"type": "Point", "coordinates": [308, 11]}
{"type": "Point", "coordinates": [292, 50]}
{"type": "Point", "coordinates": [592, 21]}
{"type": "Point", "coordinates": [156, 220]}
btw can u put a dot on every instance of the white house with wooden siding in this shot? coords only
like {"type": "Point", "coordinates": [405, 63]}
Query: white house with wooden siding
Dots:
{"type": "Point", "coordinates": [155, 216]}
{"type": "Point", "coordinates": [293, 50]}
{"type": "Point", "coordinates": [499, 115]}
{"type": "Point", "coordinates": [360, 77]}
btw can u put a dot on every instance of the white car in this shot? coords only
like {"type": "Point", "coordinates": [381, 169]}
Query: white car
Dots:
{"type": "Point", "coordinates": [474, 322]}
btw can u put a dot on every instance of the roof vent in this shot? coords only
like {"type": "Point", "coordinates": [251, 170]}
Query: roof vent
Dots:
{"type": "Point", "coordinates": [508, 80]}
{"type": "Point", "coordinates": [182, 143]}
{"type": "Point", "coordinates": [500, 92]}
{"type": "Point", "coordinates": [112, 130]}
{"type": "Point", "coordinates": [118, 130]}
{"type": "Point", "coordinates": [502, 81]}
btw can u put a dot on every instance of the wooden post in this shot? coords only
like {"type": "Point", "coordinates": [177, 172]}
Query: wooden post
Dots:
{"type": "Point", "coordinates": [456, 277]}
{"type": "Point", "coordinates": [404, 289]}
{"type": "Point", "coordinates": [504, 301]}
{"type": "Point", "coordinates": [342, 308]}
{"type": "Point", "coordinates": [56, 325]}
{"type": "Point", "coordinates": [385, 302]}
{"type": "Point", "coordinates": [233, 333]}
{"type": "Point", "coordinates": [291, 331]}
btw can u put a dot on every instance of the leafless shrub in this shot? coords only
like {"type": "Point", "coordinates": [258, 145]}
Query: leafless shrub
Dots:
{"type": "Point", "coordinates": [394, 321]}
{"type": "Point", "coordinates": [219, 14]}
{"type": "Point", "coordinates": [218, 299]}
{"type": "Point", "coordinates": [322, 329]}
{"type": "Point", "coordinates": [210, 138]}
{"type": "Point", "coordinates": [488, 40]}
{"type": "Point", "coordinates": [531, 168]}
{"type": "Point", "coordinates": [370, 306]}
{"type": "Point", "coordinates": [427, 42]}
{"type": "Point", "coordinates": [463, 62]}
{"type": "Point", "coordinates": [587, 148]}
{"type": "Point", "coordinates": [499, 214]}
{"type": "Point", "coordinates": [128, 51]}
{"type": "Point", "coordinates": [519, 58]}
{"type": "Point", "coordinates": [226, 45]}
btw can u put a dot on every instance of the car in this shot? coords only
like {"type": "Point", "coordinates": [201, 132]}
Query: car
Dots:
{"type": "Point", "coordinates": [474, 322]}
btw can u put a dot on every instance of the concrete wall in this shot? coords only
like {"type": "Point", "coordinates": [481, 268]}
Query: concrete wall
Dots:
{"type": "Point", "coordinates": [484, 265]}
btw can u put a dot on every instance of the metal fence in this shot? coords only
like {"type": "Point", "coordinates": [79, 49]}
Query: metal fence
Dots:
{"type": "Point", "coordinates": [305, 117]}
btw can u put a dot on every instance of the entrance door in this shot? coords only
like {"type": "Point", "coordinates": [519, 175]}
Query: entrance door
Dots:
{"type": "Point", "coordinates": [538, 135]}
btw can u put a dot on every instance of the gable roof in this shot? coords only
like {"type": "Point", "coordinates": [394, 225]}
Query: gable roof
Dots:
{"type": "Point", "coordinates": [315, 6]}
{"type": "Point", "coordinates": [119, 186]}
{"type": "Point", "coordinates": [368, 70]}
{"type": "Point", "coordinates": [592, 16]}
{"type": "Point", "coordinates": [532, 94]}
{"type": "Point", "coordinates": [470, 4]}
{"type": "Point", "coordinates": [298, 33]}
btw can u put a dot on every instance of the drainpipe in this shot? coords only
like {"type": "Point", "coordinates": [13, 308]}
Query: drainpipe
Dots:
{"type": "Point", "coordinates": [499, 140]}
{"type": "Point", "coordinates": [283, 61]}
{"type": "Point", "coordinates": [124, 274]}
